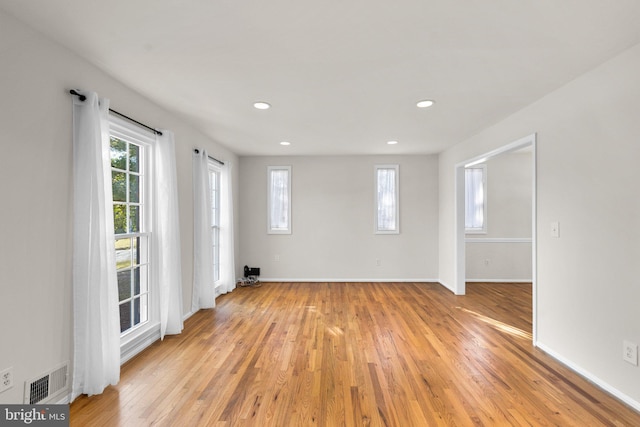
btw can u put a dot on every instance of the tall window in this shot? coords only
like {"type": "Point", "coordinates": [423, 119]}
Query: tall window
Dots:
{"type": "Point", "coordinates": [279, 199]}
{"type": "Point", "coordinates": [214, 184]}
{"type": "Point", "coordinates": [475, 203]}
{"type": "Point", "coordinates": [129, 177]}
{"type": "Point", "coordinates": [387, 192]}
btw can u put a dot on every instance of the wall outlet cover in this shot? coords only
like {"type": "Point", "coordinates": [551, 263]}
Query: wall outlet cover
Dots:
{"type": "Point", "coordinates": [630, 352]}
{"type": "Point", "coordinates": [6, 379]}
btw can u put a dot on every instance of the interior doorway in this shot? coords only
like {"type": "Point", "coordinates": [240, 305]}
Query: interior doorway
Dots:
{"type": "Point", "coordinates": [459, 235]}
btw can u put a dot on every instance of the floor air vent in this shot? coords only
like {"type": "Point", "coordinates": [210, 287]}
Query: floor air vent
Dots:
{"type": "Point", "coordinates": [47, 387]}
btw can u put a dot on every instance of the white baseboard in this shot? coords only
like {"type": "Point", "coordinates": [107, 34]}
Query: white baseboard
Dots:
{"type": "Point", "coordinates": [446, 285]}
{"type": "Point", "coordinates": [498, 240]}
{"type": "Point", "coordinates": [65, 400]}
{"type": "Point", "coordinates": [498, 281]}
{"type": "Point", "coordinates": [334, 279]}
{"type": "Point", "coordinates": [597, 381]}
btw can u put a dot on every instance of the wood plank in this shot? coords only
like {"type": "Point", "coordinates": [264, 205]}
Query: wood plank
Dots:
{"type": "Point", "coordinates": [354, 354]}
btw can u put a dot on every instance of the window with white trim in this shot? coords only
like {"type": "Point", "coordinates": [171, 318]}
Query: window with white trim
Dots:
{"type": "Point", "coordinates": [475, 201]}
{"type": "Point", "coordinates": [279, 199]}
{"type": "Point", "coordinates": [387, 214]}
{"type": "Point", "coordinates": [130, 179]}
{"type": "Point", "coordinates": [214, 185]}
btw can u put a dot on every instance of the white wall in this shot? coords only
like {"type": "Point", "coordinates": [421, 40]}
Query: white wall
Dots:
{"type": "Point", "coordinates": [333, 212]}
{"type": "Point", "coordinates": [587, 154]}
{"type": "Point", "coordinates": [509, 188]}
{"type": "Point", "coordinates": [36, 191]}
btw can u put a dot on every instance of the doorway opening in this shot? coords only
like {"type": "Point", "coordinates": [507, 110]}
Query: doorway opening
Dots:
{"type": "Point", "coordinates": [460, 230]}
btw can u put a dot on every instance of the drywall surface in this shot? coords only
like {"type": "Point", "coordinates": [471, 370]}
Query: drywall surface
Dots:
{"type": "Point", "coordinates": [36, 187]}
{"type": "Point", "coordinates": [587, 278]}
{"type": "Point", "coordinates": [333, 220]}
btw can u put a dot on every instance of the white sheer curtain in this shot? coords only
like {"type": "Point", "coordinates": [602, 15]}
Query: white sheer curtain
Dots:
{"type": "Point", "coordinates": [227, 258]}
{"type": "Point", "coordinates": [96, 333]}
{"type": "Point", "coordinates": [166, 235]}
{"type": "Point", "coordinates": [203, 286]}
{"type": "Point", "coordinates": [474, 198]}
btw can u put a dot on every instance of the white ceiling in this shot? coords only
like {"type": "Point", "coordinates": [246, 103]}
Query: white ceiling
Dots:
{"type": "Point", "coordinates": [343, 76]}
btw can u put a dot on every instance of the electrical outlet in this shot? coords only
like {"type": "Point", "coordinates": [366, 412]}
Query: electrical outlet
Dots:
{"type": "Point", "coordinates": [378, 263]}
{"type": "Point", "coordinates": [630, 352]}
{"type": "Point", "coordinates": [487, 262]}
{"type": "Point", "coordinates": [6, 379]}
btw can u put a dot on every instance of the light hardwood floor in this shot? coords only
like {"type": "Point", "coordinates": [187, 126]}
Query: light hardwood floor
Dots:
{"type": "Point", "coordinates": [354, 354]}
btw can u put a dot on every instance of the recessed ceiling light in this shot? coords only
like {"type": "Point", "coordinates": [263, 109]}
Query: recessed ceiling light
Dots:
{"type": "Point", "coordinates": [392, 142]}
{"type": "Point", "coordinates": [261, 105]}
{"type": "Point", "coordinates": [425, 103]}
{"type": "Point", "coordinates": [285, 143]}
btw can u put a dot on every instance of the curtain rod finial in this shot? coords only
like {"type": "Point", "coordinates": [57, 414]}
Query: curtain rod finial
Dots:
{"type": "Point", "coordinates": [79, 95]}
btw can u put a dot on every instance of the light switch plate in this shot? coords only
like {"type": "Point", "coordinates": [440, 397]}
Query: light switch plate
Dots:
{"type": "Point", "coordinates": [555, 229]}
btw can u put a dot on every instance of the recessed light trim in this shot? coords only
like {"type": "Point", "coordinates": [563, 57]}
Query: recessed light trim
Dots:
{"type": "Point", "coordinates": [425, 103]}
{"type": "Point", "coordinates": [392, 142]}
{"type": "Point", "coordinates": [261, 105]}
{"type": "Point", "coordinates": [285, 143]}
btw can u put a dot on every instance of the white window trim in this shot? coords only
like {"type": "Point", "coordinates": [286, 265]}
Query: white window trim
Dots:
{"type": "Point", "coordinates": [397, 197]}
{"type": "Point", "coordinates": [483, 229]}
{"type": "Point", "coordinates": [135, 337]}
{"type": "Point", "coordinates": [286, 230]}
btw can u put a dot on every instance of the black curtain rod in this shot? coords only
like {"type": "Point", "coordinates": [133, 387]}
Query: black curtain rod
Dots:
{"type": "Point", "coordinates": [212, 158]}
{"type": "Point", "coordinates": [83, 98]}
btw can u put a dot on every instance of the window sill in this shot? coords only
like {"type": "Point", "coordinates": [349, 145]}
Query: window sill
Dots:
{"type": "Point", "coordinates": [475, 232]}
{"type": "Point", "coordinates": [139, 339]}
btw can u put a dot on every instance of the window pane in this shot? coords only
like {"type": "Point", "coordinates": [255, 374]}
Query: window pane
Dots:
{"type": "Point", "coordinates": [136, 311]}
{"type": "Point", "coordinates": [215, 250]}
{"type": "Point", "coordinates": [142, 247]}
{"type": "Point", "coordinates": [119, 219]}
{"type": "Point", "coordinates": [279, 200]}
{"type": "Point", "coordinates": [125, 316]}
{"type": "Point", "coordinates": [141, 309]}
{"type": "Point", "coordinates": [144, 308]}
{"type": "Point", "coordinates": [134, 188]}
{"type": "Point", "coordinates": [134, 158]}
{"type": "Point", "coordinates": [213, 184]}
{"type": "Point", "coordinates": [119, 186]}
{"type": "Point", "coordinates": [129, 209]}
{"type": "Point", "coordinates": [387, 208]}
{"type": "Point", "coordinates": [474, 198]}
{"type": "Point", "coordinates": [118, 153]}
{"type": "Point", "coordinates": [136, 250]}
{"type": "Point", "coordinates": [136, 281]}
{"type": "Point", "coordinates": [124, 285]}
{"type": "Point", "coordinates": [142, 280]}
{"type": "Point", "coordinates": [134, 219]}
{"type": "Point", "coordinates": [123, 253]}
